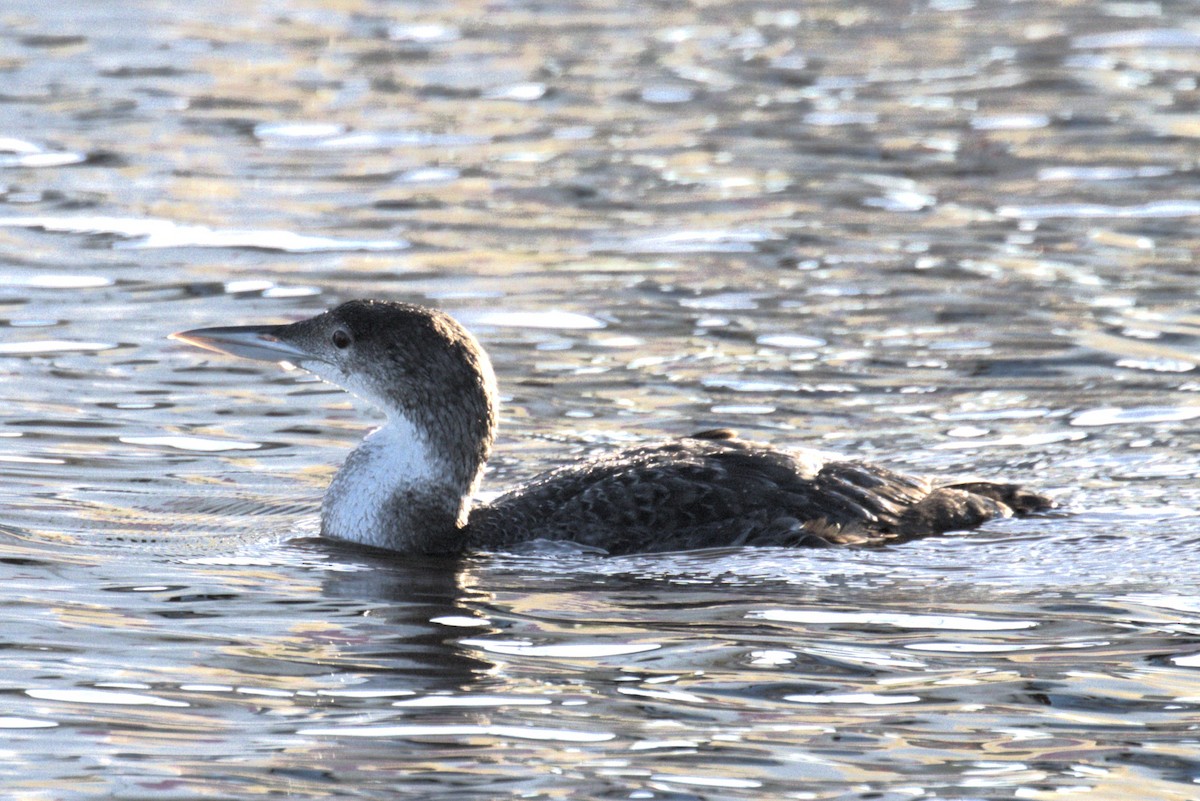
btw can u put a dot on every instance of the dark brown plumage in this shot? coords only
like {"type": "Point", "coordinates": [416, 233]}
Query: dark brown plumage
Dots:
{"type": "Point", "coordinates": [713, 491]}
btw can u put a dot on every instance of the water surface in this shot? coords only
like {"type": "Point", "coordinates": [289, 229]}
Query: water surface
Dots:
{"type": "Point", "coordinates": [957, 237]}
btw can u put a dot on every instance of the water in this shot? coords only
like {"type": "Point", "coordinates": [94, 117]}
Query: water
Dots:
{"type": "Point", "coordinates": [958, 237]}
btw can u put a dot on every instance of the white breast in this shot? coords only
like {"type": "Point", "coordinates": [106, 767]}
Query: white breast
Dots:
{"type": "Point", "coordinates": [358, 504]}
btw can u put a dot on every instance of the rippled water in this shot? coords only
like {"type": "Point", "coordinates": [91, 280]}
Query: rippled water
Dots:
{"type": "Point", "coordinates": [956, 236]}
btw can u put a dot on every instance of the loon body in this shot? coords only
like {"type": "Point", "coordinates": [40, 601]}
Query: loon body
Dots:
{"type": "Point", "coordinates": [408, 486]}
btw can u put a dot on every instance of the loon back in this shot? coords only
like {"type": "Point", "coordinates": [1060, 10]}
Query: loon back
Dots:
{"type": "Point", "coordinates": [714, 490]}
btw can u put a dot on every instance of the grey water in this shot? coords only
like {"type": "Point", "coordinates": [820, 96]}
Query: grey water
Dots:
{"type": "Point", "coordinates": [957, 237]}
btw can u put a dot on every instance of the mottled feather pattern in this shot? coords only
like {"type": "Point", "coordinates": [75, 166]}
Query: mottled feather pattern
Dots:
{"type": "Point", "coordinates": [698, 493]}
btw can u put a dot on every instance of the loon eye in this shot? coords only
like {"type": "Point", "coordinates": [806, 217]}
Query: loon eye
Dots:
{"type": "Point", "coordinates": [341, 339]}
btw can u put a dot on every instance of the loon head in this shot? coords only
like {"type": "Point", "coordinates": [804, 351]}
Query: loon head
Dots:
{"type": "Point", "coordinates": [421, 368]}
{"type": "Point", "coordinates": [401, 358]}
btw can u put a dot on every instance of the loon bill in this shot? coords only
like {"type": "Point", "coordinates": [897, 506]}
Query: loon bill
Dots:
{"type": "Point", "coordinates": [408, 486]}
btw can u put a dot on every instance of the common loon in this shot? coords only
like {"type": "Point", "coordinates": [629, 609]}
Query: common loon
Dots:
{"type": "Point", "coordinates": [408, 486]}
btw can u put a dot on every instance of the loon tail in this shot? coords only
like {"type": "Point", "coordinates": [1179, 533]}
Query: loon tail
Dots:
{"type": "Point", "coordinates": [968, 504]}
{"type": "Point", "coordinates": [1020, 500]}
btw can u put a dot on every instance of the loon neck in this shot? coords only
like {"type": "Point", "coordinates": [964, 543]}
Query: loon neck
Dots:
{"type": "Point", "coordinates": [397, 490]}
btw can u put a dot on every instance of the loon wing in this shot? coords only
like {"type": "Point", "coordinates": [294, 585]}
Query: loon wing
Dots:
{"type": "Point", "coordinates": [719, 491]}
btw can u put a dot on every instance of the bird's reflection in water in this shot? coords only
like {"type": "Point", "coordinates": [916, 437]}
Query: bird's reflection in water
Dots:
{"type": "Point", "coordinates": [412, 611]}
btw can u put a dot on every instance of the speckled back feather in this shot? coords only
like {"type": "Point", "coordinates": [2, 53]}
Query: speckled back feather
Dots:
{"type": "Point", "coordinates": [720, 491]}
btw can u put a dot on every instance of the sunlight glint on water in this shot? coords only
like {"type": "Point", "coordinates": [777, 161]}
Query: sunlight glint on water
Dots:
{"type": "Point", "coordinates": [957, 238]}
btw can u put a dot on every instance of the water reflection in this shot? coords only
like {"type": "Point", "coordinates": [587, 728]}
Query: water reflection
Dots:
{"type": "Point", "coordinates": [953, 237]}
{"type": "Point", "coordinates": [500, 651]}
{"type": "Point", "coordinates": [150, 233]}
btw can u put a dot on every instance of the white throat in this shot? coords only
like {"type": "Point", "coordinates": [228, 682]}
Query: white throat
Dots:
{"type": "Point", "coordinates": [388, 489]}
